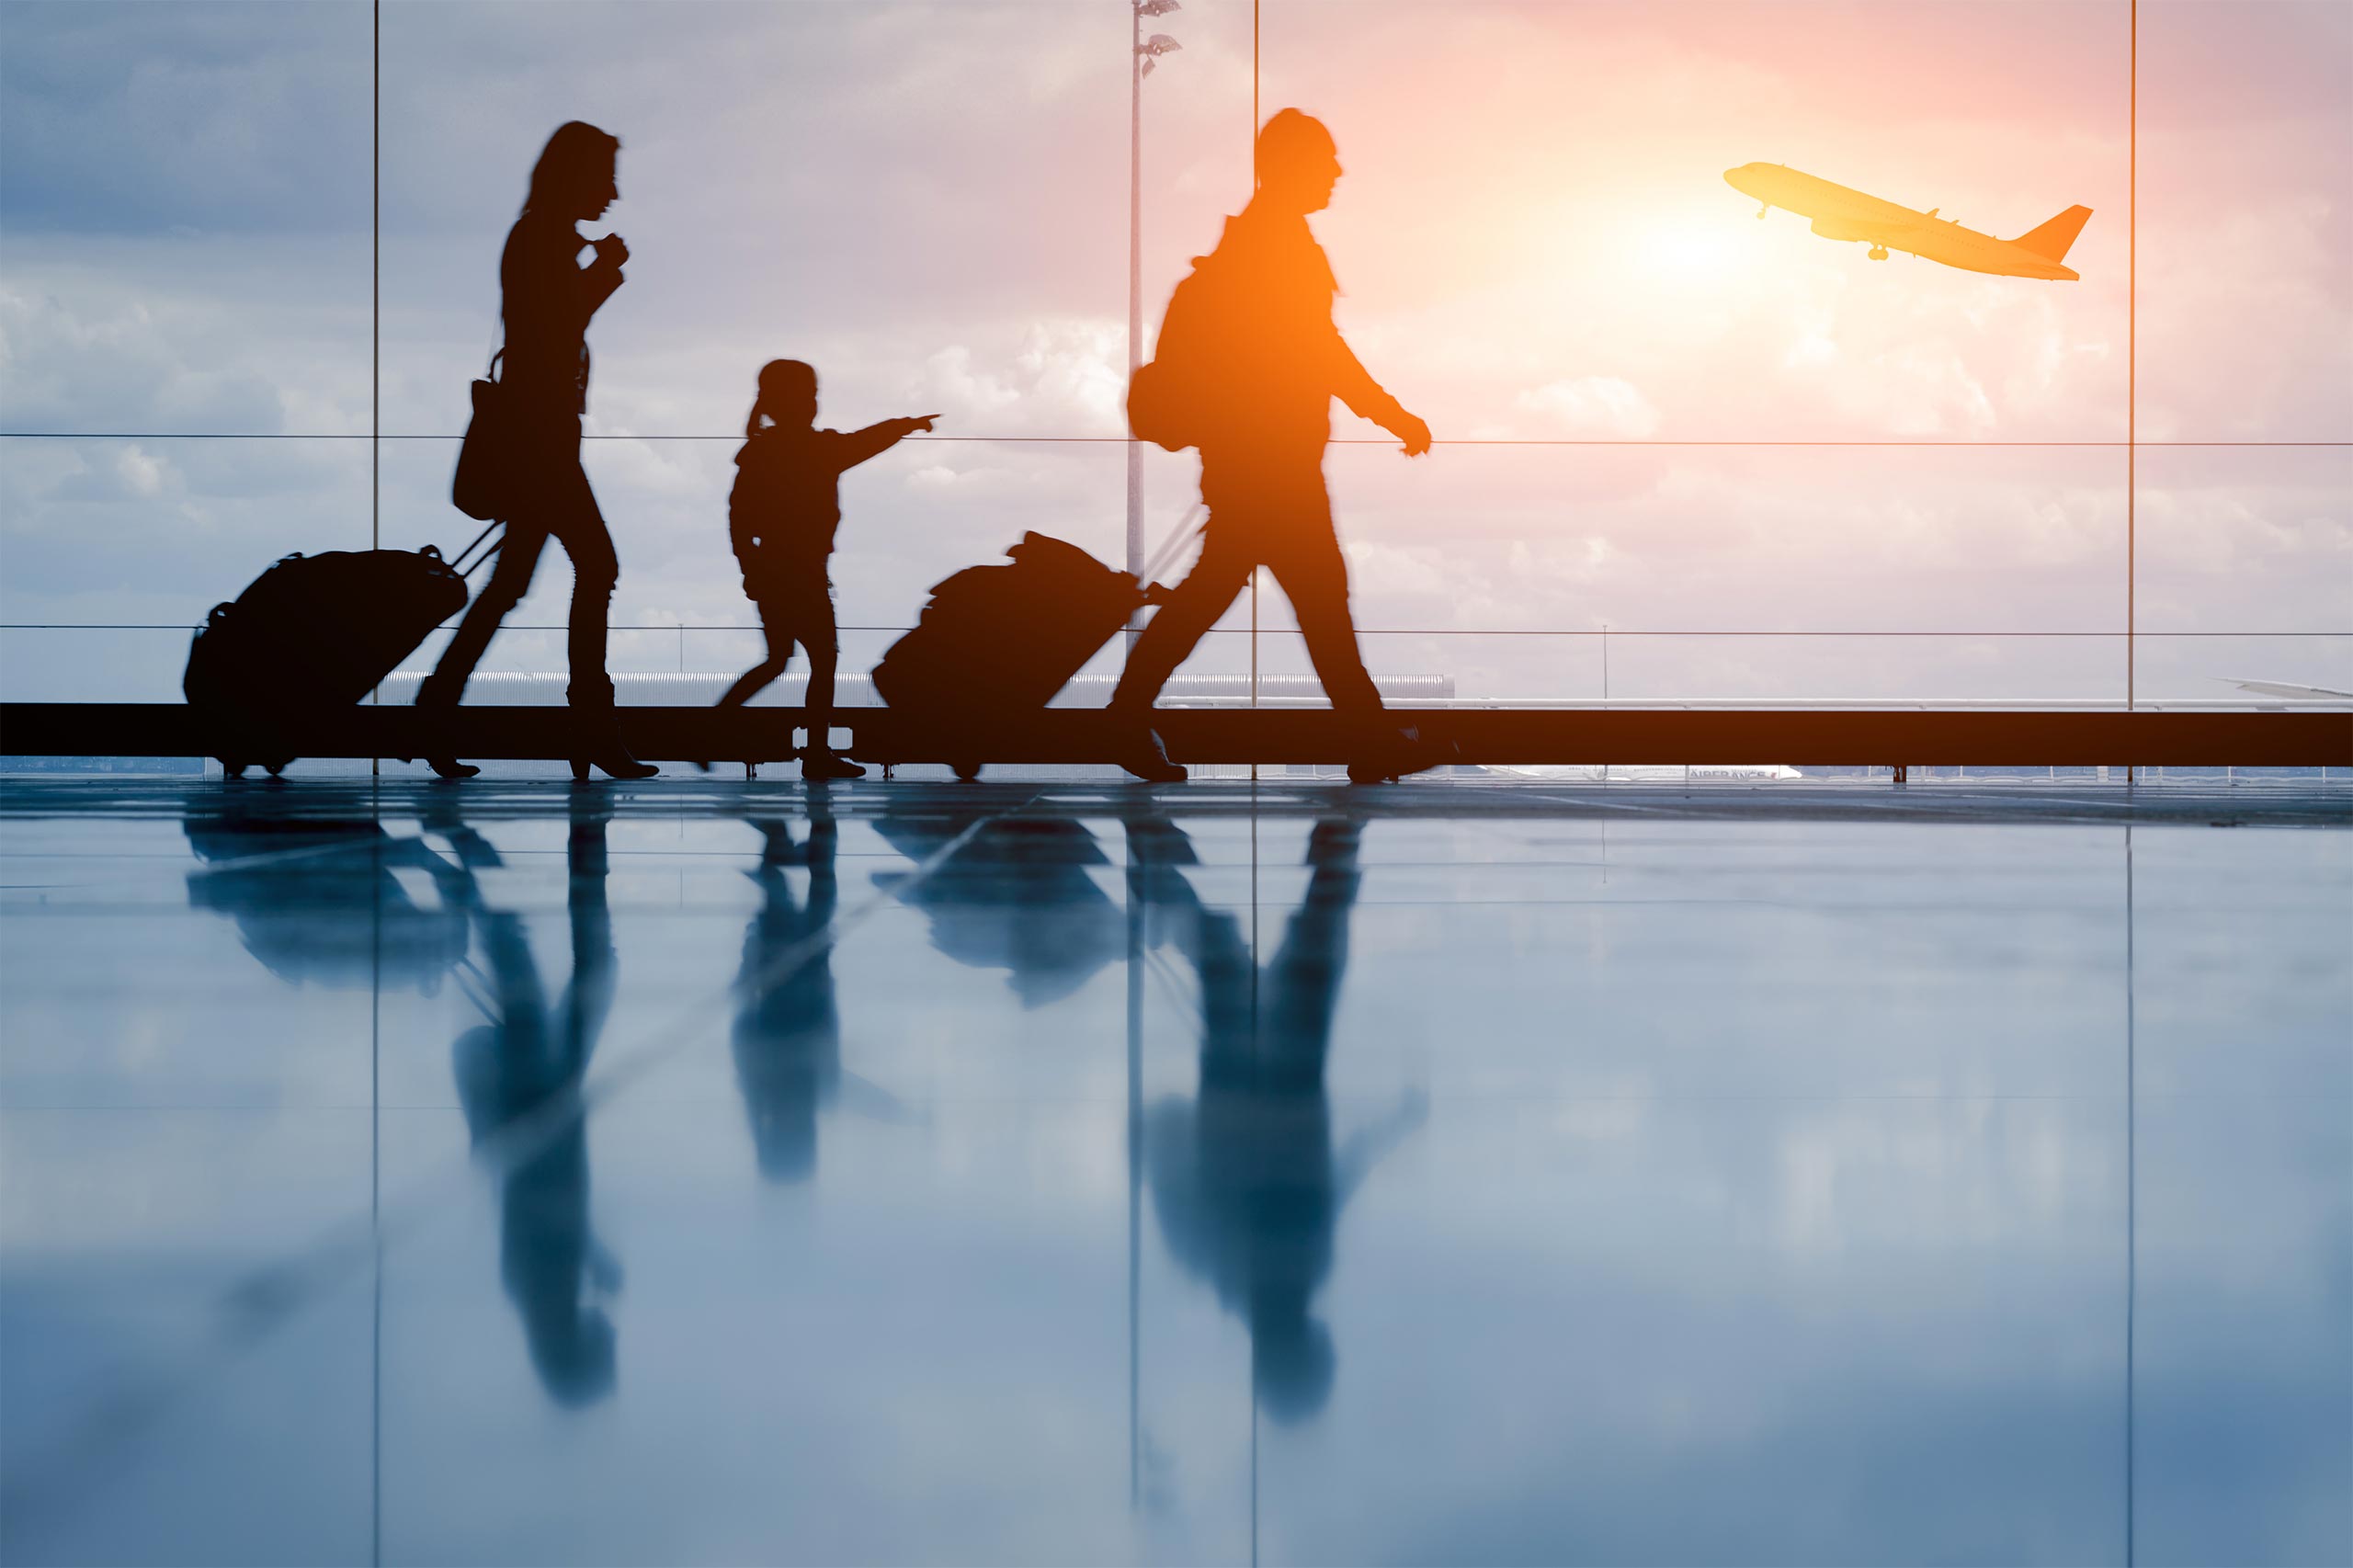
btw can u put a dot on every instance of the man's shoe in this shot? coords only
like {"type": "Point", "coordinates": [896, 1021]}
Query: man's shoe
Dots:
{"type": "Point", "coordinates": [1148, 759]}
{"type": "Point", "coordinates": [1401, 752]}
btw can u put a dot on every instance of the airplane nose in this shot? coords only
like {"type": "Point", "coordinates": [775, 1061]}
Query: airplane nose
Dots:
{"type": "Point", "coordinates": [1732, 176]}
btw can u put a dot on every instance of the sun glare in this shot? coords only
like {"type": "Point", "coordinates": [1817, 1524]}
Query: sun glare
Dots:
{"type": "Point", "coordinates": [1685, 249]}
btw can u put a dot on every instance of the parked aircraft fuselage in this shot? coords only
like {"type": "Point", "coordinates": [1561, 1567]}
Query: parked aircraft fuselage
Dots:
{"type": "Point", "coordinates": [1839, 213]}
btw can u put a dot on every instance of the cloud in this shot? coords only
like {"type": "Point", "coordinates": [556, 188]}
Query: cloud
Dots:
{"type": "Point", "coordinates": [1066, 377]}
{"type": "Point", "coordinates": [130, 473]}
{"type": "Point", "coordinates": [1594, 405]}
{"type": "Point", "coordinates": [165, 118]}
{"type": "Point", "coordinates": [129, 365]}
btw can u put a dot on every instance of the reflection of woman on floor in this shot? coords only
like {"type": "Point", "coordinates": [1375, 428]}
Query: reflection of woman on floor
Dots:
{"type": "Point", "coordinates": [519, 1077]}
{"type": "Point", "coordinates": [1245, 1180]}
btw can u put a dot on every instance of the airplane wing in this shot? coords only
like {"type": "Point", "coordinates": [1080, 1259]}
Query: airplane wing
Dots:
{"type": "Point", "coordinates": [2285, 688]}
{"type": "Point", "coordinates": [1896, 228]}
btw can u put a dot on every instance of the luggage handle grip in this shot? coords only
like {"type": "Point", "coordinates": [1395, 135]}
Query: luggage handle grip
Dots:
{"type": "Point", "coordinates": [493, 527]}
{"type": "Point", "coordinates": [1186, 533]}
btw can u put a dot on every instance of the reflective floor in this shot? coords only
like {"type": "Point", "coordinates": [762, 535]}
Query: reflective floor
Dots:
{"type": "Point", "coordinates": [693, 1173]}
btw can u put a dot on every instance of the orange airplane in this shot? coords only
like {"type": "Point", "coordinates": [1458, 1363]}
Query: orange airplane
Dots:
{"type": "Point", "coordinates": [1839, 213]}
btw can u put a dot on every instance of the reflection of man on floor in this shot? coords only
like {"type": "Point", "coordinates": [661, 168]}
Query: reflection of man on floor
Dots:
{"type": "Point", "coordinates": [788, 1037]}
{"type": "Point", "coordinates": [1244, 1178]}
{"type": "Point", "coordinates": [518, 1076]}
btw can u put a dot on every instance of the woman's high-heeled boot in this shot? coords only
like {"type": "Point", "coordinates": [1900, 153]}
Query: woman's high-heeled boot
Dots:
{"type": "Point", "coordinates": [601, 745]}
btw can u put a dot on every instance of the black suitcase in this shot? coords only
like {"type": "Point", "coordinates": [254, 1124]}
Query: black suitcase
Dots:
{"type": "Point", "coordinates": [994, 639]}
{"type": "Point", "coordinates": [315, 632]}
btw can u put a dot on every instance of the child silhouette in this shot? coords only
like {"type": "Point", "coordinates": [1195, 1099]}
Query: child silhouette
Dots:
{"type": "Point", "coordinates": [781, 516]}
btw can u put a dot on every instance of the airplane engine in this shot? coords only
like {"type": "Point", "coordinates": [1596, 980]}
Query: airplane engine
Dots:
{"type": "Point", "coordinates": [1839, 229]}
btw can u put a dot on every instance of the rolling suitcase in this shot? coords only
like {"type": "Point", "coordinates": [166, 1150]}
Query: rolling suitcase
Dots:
{"type": "Point", "coordinates": [994, 639]}
{"type": "Point", "coordinates": [1009, 636]}
{"type": "Point", "coordinates": [315, 632]}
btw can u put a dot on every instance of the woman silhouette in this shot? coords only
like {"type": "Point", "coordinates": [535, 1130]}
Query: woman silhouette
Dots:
{"type": "Point", "coordinates": [546, 300]}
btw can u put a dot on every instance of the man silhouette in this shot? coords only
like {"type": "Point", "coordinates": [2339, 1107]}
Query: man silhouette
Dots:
{"type": "Point", "coordinates": [1279, 361]}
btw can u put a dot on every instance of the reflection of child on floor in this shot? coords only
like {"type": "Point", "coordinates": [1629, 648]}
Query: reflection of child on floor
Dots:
{"type": "Point", "coordinates": [781, 516]}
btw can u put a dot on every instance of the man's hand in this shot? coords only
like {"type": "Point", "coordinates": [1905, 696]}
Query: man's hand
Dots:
{"type": "Point", "coordinates": [915, 422]}
{"type": "Point", "coordinates": [610, 249]}
{"type": "Point", "coordinates": [1410, 429]}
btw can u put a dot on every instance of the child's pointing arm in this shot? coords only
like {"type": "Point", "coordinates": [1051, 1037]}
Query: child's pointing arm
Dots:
{"type": "Point", "coordinates": [859, 445]}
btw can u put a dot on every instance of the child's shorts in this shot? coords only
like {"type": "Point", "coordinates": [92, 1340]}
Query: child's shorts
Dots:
{"type": "Point", "coordinates": [798, 609]}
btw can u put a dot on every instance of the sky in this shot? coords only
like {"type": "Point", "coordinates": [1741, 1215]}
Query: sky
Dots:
{"type": "Point", "coordinates": [1534, 240]}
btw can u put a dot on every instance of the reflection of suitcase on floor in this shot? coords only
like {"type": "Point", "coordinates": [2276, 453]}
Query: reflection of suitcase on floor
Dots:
{"type": "Point", "coordinates": [1000, 638]}
{"type": "Point", "coordinates": [312, 633]}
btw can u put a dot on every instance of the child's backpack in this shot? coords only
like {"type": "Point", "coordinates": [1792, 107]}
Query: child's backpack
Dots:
{"type": "Point", "coordinates": [1174, 401]}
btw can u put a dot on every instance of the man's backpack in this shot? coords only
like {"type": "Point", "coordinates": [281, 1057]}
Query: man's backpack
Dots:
{"type": "Point", "coordinates": [1175, 400]}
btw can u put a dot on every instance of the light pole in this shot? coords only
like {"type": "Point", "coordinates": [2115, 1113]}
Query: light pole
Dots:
{"type": "Point", "coordinates": [1143, 54]}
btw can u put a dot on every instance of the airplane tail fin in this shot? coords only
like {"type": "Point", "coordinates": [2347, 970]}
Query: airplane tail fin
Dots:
{"type": "Point", "coordinates": [2053, 238]}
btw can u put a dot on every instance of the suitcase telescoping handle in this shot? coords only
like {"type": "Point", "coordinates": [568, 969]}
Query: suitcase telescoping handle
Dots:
{"type": "Point", "coordinates": [458, 565]}
{"type": "Point", "coordinates": [1195, 521]}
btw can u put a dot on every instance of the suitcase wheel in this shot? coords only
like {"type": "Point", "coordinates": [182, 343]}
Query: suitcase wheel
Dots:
{"type": "Point", "coordinates": [232, 768]}
{"type": "Point", "coordinates": [966, 769]}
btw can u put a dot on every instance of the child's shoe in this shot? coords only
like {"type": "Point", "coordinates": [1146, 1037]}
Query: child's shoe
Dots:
{"type": "Point", "coordinates": [818, 762]}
